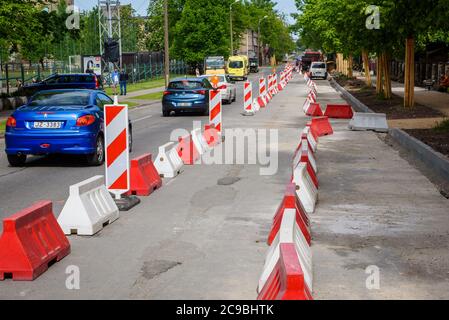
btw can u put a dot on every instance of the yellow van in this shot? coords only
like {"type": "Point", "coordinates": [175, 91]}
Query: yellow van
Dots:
{"type": "Point", "coordinates": [238, 67]}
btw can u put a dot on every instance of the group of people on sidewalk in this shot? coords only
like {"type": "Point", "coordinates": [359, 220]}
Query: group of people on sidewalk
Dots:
{"type": "Point", "coordinates": [120, 79]}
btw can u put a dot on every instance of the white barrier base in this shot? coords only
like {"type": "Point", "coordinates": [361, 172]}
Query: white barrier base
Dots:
{"type": "Point", "coordinates": [307, 191]}
{"type": "Point", "coordinates": [369, 121]}
{"type": "Point", "coordinates": [89, 208]}
{"type": "Point", "coordinates": [168, 163]}
{"type": "Point", "coordinates": [200, 142]}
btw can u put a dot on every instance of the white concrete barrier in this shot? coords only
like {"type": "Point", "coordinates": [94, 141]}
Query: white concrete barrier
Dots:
{"type": "Point", "coordinates": [303, 152]}
{"type": "Point", "coordinates": [369, 121]}
{"type": "Point", "coordinates": [200, 142]}
{"type": "Point", "coordinates": [306, 189]}
{"type": "Point", "coordinates": [89, 208]}
{"type": "Point", "coordinates": [289, 233]}
{"type": "Point", "coordinates": [168, 162]}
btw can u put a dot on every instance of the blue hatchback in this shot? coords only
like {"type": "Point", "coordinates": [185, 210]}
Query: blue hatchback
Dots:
{"type": "Point", "coordinates": [58, 122]}
{"type": "Point", "coordinates": [187, 95]}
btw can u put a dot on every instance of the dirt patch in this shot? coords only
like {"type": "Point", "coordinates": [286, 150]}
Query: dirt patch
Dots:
{"type": "Point", "coordinates": [439, 141]}
{"type": "Point", "coordinates": [393, 108]}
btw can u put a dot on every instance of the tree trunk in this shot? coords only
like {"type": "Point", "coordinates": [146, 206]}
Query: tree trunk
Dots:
{"type": "Point", "coordinates": [379, 74]}
{"type": "Point", "coordinates": [350, 66]}
{"type": "Point", "coordinates": [366, 67]}
{"type": "Point", "coordinates": [409, 77]}
{"type": "Point", "coordinates": [386, 75]}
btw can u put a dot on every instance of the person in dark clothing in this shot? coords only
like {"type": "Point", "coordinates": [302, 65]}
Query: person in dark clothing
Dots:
{"type": "Point", "coordinates": [123, 82]}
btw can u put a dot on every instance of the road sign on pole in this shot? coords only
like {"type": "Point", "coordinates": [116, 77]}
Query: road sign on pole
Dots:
{"type": "Point", "coordinates": [117, 149]}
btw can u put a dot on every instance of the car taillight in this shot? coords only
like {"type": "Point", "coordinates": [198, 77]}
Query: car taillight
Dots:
{"type": "Point", "coordinates": [97, 83]}
{"type": "Point", "coordinates": [85, 121]}
{"type": "Point", "coordinates": [11, 122]}
{"type": "Point", "coordinates": [202, 92]}
{"type": "Point", "coordinates": [166, 93]}
{"type": "Point", "coordinates": [223, 87]}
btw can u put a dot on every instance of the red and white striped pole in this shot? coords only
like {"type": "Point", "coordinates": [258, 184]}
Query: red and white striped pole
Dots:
{"type": "Point", "coordinates": [117, 149]}
{"type": "Point", "coordinates": [215, 109]}
{"type": "Point", "coordinates": [262, 93]}
{"type": "Point", "coordinates": [248, 99]}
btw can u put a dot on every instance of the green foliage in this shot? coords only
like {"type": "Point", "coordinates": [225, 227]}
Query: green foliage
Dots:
{"type": "Point", "coordinates": [339, 25]}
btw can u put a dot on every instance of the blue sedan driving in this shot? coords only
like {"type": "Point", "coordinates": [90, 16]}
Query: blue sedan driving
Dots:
{"type": "Point", "coordinates": [186, 95]}
{"type": "Point", "coordinates": [59, 122]}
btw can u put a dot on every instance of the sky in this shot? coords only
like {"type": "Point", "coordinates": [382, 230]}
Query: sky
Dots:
{"type": "Point", "coordinates": [285, 6]}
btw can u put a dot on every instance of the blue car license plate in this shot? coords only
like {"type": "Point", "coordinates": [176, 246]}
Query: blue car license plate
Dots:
{"type": "Point", "coordinates": [47, 125]}
{"type": "Point", "coordinates": [184, 104]}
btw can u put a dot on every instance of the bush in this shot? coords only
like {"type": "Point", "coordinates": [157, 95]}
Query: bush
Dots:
{"type": "Point", "coordinates": [443, 126]}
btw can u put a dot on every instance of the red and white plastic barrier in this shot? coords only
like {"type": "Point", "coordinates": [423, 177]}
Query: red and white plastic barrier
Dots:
{"type": "Point", "coordinates": [144, 177]}
{"type": "Point", "coordinates": [88, 209]}
{"type": "Point", "coordinates": [263, 101]}
{"type": "Point", "coordinates": [168, 163]}
{"type": "Point", "coordinates": [301, 258]}
{"type": "Point", "coordinates": [32, 239]}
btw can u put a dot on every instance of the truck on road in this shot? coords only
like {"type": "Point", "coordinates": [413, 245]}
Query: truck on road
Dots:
{"type": "Point", "coordinates": [214, 65]}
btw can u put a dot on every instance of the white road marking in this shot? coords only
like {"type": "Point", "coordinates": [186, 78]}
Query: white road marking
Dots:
{"type": "Point", "coordinates": [141, 119]}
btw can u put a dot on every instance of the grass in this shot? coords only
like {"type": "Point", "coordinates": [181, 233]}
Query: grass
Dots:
{"type": "Point", "coordinates": [133, 87]}
{"type": "Point", "coordinates": [2, 126]}
{"type": "Point", "coordinates": [443, 126]}
{"type": "Point", "coordinates": [151, 96]}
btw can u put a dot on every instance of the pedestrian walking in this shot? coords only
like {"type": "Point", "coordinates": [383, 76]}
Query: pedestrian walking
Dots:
{"type": "Point", "coordinates": [197, 71]}
{"type": "Point", "coordinates": [123, 82]}
{"type": "Point", "coordinates": [115, 77]}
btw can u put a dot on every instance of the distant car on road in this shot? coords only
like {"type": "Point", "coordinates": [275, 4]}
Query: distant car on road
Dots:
{"type": "Point", "coordinates": [64, 81]}
{"type": "Point", "coordinates": [318, 70]}
{"type": "Point", "coordinates": [226, 86]}
{"type": "Point", "coordinates": [186, 95]}
{"type": "Point", "coordinates": [254, 65]}
{"type": "Point", "coordinates": [59, 122]}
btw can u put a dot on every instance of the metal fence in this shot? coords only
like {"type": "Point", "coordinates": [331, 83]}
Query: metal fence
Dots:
{"type": "Point", "coordinates": [15, 75]}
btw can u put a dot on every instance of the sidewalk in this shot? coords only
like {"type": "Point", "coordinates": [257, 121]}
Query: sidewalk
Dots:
{"type": "Point", "coordinates": [375, 209]}
{"type": "Point", "coordinates": [434, 99]}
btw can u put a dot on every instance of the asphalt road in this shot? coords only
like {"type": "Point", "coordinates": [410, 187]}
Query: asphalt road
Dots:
{"type": "Point", "coordinates": [50, 177]}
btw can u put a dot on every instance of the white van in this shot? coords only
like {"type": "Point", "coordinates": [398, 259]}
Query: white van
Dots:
{"type": "Point", "coordinates": [318, 70]}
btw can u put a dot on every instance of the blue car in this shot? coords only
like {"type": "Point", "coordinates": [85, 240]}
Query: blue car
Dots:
{"type": "Point", "coordinates": [59, 122]}
{"type": "Point", "coordinates": [64, 81]}
{"type": "Point", "coordinates": [187, 95]}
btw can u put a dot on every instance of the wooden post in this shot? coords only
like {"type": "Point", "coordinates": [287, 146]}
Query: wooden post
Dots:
{"type": "Point", "coordinates": [379, 74]}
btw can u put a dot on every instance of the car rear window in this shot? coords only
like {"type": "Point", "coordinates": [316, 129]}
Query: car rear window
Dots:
{"type": "Point", "coordinates": [74, 98]}
{"type": "Point", "coordinates": [319, 65]}
{"type": "Point", "coordinates": [185, 85]}
{"type": "Point", "coordinates": [236, 64]}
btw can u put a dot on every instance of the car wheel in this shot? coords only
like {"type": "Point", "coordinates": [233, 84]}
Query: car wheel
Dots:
{"type": "Point", "coordinates": [16, 160]}
{"type": "Point", "coordinates": [97, 159]}
{"type": "Point", "coordinates": [165, 113]}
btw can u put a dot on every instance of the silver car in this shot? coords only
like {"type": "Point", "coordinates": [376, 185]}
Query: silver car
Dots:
{"type": "Point", "coordinates": [226, 86]}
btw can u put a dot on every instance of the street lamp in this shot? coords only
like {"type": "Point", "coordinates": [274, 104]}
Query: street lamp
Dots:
{"type": "Point", "coordinates": [230, 19]}
{"type": "Point", "coordinates": [259, 38]}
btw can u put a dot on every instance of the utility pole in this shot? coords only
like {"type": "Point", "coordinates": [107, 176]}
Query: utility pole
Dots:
{"type": "Point", "coordinates": [259, 40]}
{"type": "Point", "coordinates": [167, 48]}
{"type": "Point", "coordinates": [230, 19]}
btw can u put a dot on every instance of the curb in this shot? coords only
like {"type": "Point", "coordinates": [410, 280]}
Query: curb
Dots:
{"type": "Point", "coordinates": [356, 104]}
{"type": "Point", "coordinates": [434, 160]}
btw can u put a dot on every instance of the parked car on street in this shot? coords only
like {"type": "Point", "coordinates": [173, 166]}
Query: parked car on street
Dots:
{"type": "Point", "coordinates": [59, 122]}
{"type": "Point", "coordinates": [186, 95]}
{"type": "Point", "coordinates": [318, 70]}
{"type": "Point", "coordinates": [226, 86]}
{"type": "Point", "coordinates": [64, 81]}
